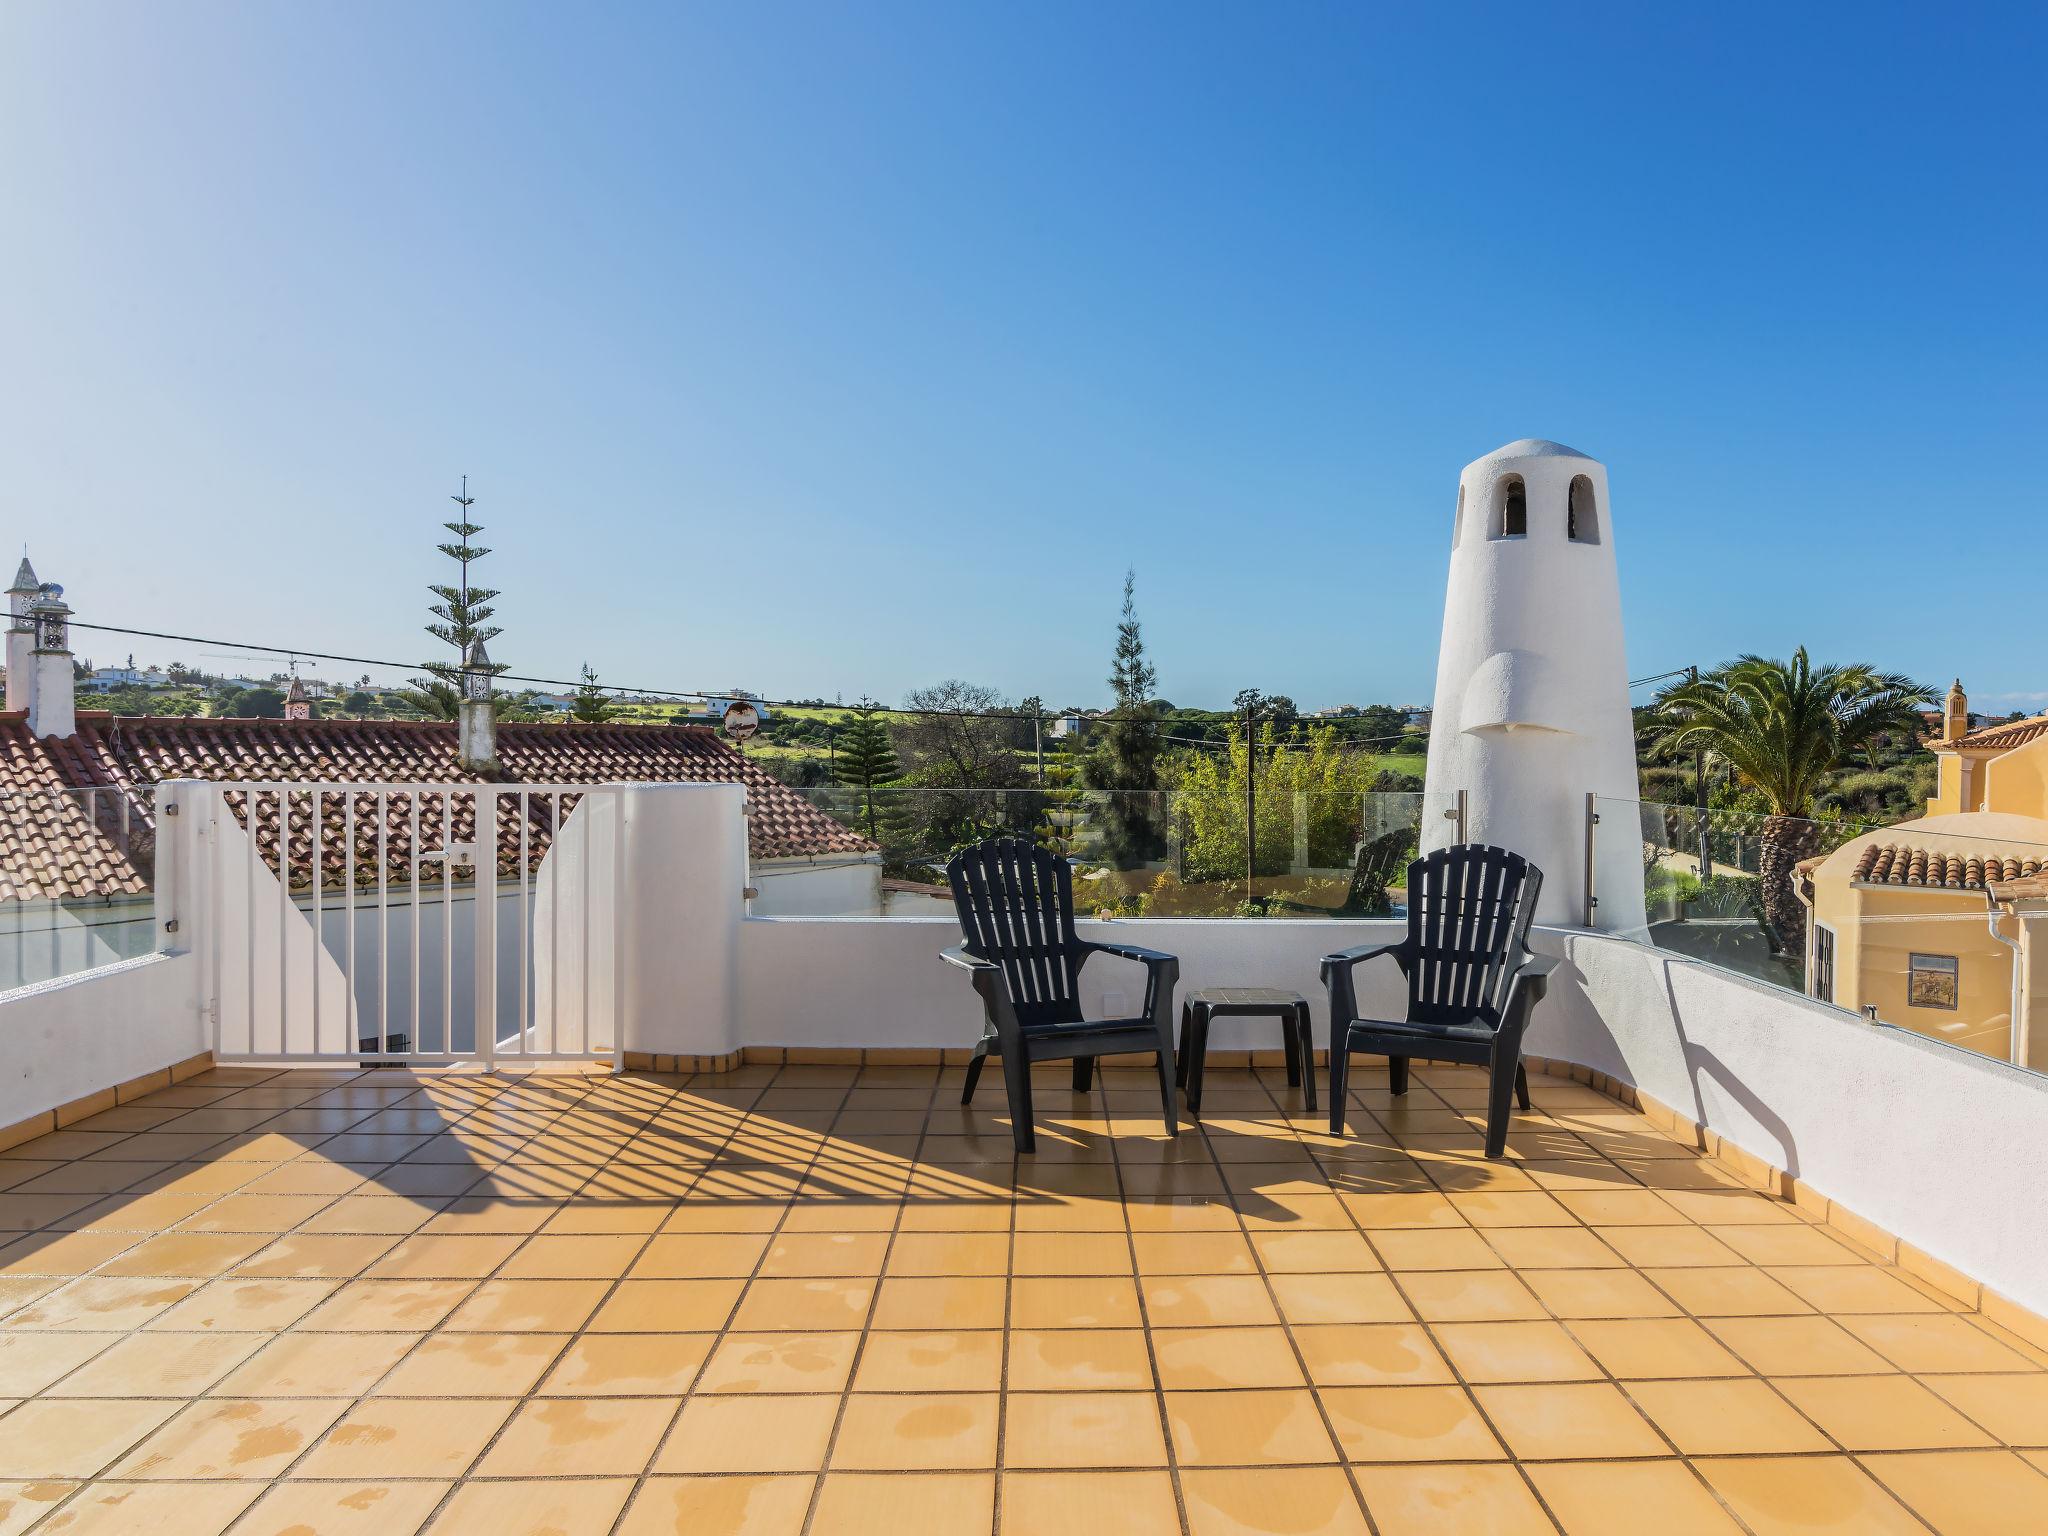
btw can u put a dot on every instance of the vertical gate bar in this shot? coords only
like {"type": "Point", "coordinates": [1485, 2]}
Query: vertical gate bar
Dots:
{"type": "Point", "coordinates": [249, 914]}
{"type": "Point", "coordinates": [555, 929]}
{"type": "Point", "coordinates": [525, 919]}
{"type": "Point", "coordinates": [589, 871]}
{"type": "Point", "coordinates": [380, 802]}
{"type": "Point", "coordinates": [284, 927]}
{"type": "Point", "coordinates": [1592, 823]}
{"type": "Point", "coordinates": [486, 908]}
{"type": "Point", "coordinates": [616, 929]}
{"type": "Point", "coordinates": [317, 809]}
{"type": "Point", "coordinates": [412, 1038]}
{"type": "Point", "coordinates": [352, 1030]}
{"type": "Point", "coordinates": [447, 924]}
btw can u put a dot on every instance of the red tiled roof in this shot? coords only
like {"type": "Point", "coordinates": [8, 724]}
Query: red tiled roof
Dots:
{"type": "Point", "coordinates": [72, 830]}
{"type": "Point", "coordinates": [1900, 864]}
{"type": "Point", "coordinates": [1997, 738]}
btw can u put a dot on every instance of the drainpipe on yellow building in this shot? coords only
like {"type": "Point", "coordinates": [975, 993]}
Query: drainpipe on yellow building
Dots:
{"type": "Point", "coordinates": [1998, 910]}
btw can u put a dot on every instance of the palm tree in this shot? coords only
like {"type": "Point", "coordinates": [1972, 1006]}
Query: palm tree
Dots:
{"type": "Point", "coordinates": [1784, 727]}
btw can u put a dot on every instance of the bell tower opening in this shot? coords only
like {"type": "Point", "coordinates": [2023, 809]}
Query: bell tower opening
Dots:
{"type": "Point", "coordinates": [1511, 521]}
{"type": "Point", "coordinates": [1581, 516]}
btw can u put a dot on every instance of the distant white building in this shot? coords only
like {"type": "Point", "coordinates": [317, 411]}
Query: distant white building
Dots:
{"type": "Point", "coordinates": [106, 679]}
{"type": "Point", "coordinates": [716, 704]}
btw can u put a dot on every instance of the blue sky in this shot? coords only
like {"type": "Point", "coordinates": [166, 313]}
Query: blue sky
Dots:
{"type": "Point", "coordinates": [837, 349]}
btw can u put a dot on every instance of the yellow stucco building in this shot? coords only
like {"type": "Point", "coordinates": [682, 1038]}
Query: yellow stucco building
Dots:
{"type": "Point", "coordinates": [1940, 924]}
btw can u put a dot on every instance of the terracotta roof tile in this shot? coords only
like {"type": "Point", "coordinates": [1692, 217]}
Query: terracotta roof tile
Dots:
{"type": "Point", "coordinates": [1997, 738]}
{"type": "Point", "coordinates": [1932, 868]}
{"type": "Point", "coordinates": [76, 828]}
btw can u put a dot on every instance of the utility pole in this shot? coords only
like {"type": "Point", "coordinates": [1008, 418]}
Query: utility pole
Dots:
{"type": "Point", "coordinates": [1038, 740]}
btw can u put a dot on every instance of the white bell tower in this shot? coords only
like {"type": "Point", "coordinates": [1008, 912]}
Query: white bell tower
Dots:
{"type": "Point", "coordinates": [1532, 708]}
{"type": "Point", "coordinates": [21, 636]}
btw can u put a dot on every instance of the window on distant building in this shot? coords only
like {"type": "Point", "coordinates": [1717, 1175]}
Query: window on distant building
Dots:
{"type": "Point", "coordinates": [1931, 982]}
{"type": "Point", "coordinates": [1581, 517]}
{"type": "Point", "coordinates": [1824, 963]}
{"type": "Point", "coordinates": [1513, 519]}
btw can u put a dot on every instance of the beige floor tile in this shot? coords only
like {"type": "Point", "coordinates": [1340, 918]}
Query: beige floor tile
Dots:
{"type": "Point", "coordinates": [1599, 1293]}
{"type": "Point", "coordinates": [1536, 1248]}
{"type": "Point", "coordinates": [774, 1306]}
{"type": "Point", "coordinates": [445, 1257]}
{"type": "Point", "coordinates": [700, 1255]}
{"type": "Point", "coordinates": [1409, 1424]}
{"type": "Point", "coordinates": [1306, 1253]}
{"type": "Point", "coordinates": [1370, 1354]}
{"type": "Point", "coordinates": [1934, 1341]}
{"type": "Point", "coordinates": [22, 1504]}
{"type": "Point", "coordinates": [1683, 1247]}
{"type": "Point", "coordinates": [371, 1507]}
{"type": "Point", "coordinates": [1271, 1501]}
{"type": "Point", "coordinates": [1728, 1292]}
{"type": "Point", "coordinates": [1568, 1421]}
{"type": "Point", "coordinates": [914, 1431]}
{"type": "Point", "coordinates": [1621, 1498]}
{"type": "Point", "coordinates": [527, 1306]}
{"type": "Point", "coordinates": [385, 1305]}
{"type": "Point", "coordinates": [1207, 1253]}
{"type": "Point", "coordinates": [30, 1362]}
{"type": "Point", "coordinates": [160, 1365]}
{"type": "Point", "coordinates": [1195, 1301]}
{"type": "Point", "coordinates": [1100, 1302]}
{"type": "Point", "coordinates": [780, 1362]}
{"type": "Point", "coordinates": [197, 1255]}
{"type": "Point", "coordinates": [865, 1504]}
{"type": "Point", "coordinates": [949, 1305]}
{"type": "Point", "coordinates": [1247, 1428]}
{"type": "Point", "coordinates": [1797, 1346]}
{"type": "Point", "coordinates": [318, 1364]}
{"type": "Point", "coordinates": [1198, 1359]}
{"type": "Point", "coordinates": [719, 1506]}
{"type": "Point", "coordinates": [593, 1256]}
{"type": "Point", "coordinates": [799, 1255]}
{"type": "Point", "coordinates": [1630, 1348]}
{"type": "Point", "coordinates": [581, 1436]}
{"type": "Point", "coordinates": [1845, 1288]}
{"type": "Point", "coordinates": [1469, 1296]}
{"type": "Point", "coordinates": [1881, 1413]}
{"type": "Point", "coordinates": [474, 1365]}
{"type": "Point", "coordinates": [1512, 1208]}
{"type": "Point", "coordinates": [1967, 1493]}
{"type": "Point", "coordinates": [2014, 1408]}
{"type": "Point", "coordinates": [533, 1507]}
{"type": "Point", "coordinates": [750, 1434]}
{"type": "Point", "coordinates": [933, 1362]}
{"type": "Point", "coordinates": [231, 1437]}
{"type": "Point", "coordinates": [316, 1256]}
{"type": "Point", "coordinates": [153, 1509]}
{"type": "Point", "coordinates": [1079, 1359]}
{"type": "Point", "coordinates": [1798, 1495]}
{"type": "Point", "coordinates": [1451, 1501]}
{"type": "Point", "coordinates": [1083, 1429]}
{"type": "Point", "coordinates": [929, 1254]}
{"type": "Point", "coordinates": [1052, 1253]}
{"type": "Point", "coordinates": [1388, 1210]}
{"type": "Point", "coordinates": [655, 1306]}
{"type": "Point", "coordinates": [1498, 1352]}
{"type": "Point", "coordinates": [1785, 1243]}
{"type": "Point", "coordinates": [406, 1437]}
{"type": "Point", "coordinates": [1449, 1248]}
{"type": "Point", "coordinates": [102, 1305]}
{"type": "Point", "coordinates": [1309, 1300]}
{"type": "Point", "coordinates": [629, 1365]}
{"type": "Point", "coordinates": [74, 1437]}
{"type": "Point", "coordinates": [1129, 1503]}
{"type": "Point", "coordinates": [1730, 1417]}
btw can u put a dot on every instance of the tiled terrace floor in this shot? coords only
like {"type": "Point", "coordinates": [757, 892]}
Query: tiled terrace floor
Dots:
{"type": "Point", "coordinates": [323, 1302]}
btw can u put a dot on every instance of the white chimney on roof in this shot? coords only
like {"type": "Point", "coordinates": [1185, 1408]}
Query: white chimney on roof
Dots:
{"type": "Point", "coordinates": [21, 637]}
{"type": "Point", "coordinates": [1532, 710]}
{"type": "Point", "coordinates": [476, 732]}
{"type": "Point", "coordinates": [52, 703]}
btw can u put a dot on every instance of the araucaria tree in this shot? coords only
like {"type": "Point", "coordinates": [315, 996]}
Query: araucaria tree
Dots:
{"type": "Point", "coordinates": [865, 763]}
{"type": "Point", "coordinates": [1783, 727]}
{"type": "Point", "coordinates": [461, 620]}
{"type": "Point", "coordinates": [1126, 762]}
{"type": "Point", "coordinates": [592, 704]}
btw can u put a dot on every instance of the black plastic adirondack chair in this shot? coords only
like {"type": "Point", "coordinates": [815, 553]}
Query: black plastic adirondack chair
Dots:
{"type": "Point", "coordinates": [1472, 980]}
{"type": "Point", "coordinates": [1016, 906]}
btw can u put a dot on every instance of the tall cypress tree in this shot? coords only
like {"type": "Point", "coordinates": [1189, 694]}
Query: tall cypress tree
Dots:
{"type": "Point", "coordinates": [1126, 763]}
{"type": "Point", "coordinates": [866, 764]}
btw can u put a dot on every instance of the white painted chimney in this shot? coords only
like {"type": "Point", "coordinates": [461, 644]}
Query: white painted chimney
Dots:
{"type": "Point", "coordinates": [52, 703]}
{"type": "Point", "coordinates": [21, 643]}
{"type": "Point", "coordinates": [476, 738]}
{"type": "Point", "coordinates": [1532, 710]}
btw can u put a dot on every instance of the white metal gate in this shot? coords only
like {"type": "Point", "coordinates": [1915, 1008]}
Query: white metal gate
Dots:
{"type": "Point", "coordinates": [413, 922]}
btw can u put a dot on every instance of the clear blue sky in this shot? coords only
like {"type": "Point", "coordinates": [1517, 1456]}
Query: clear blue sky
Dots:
{"type": "Point", "coordinates": [834, 348]}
